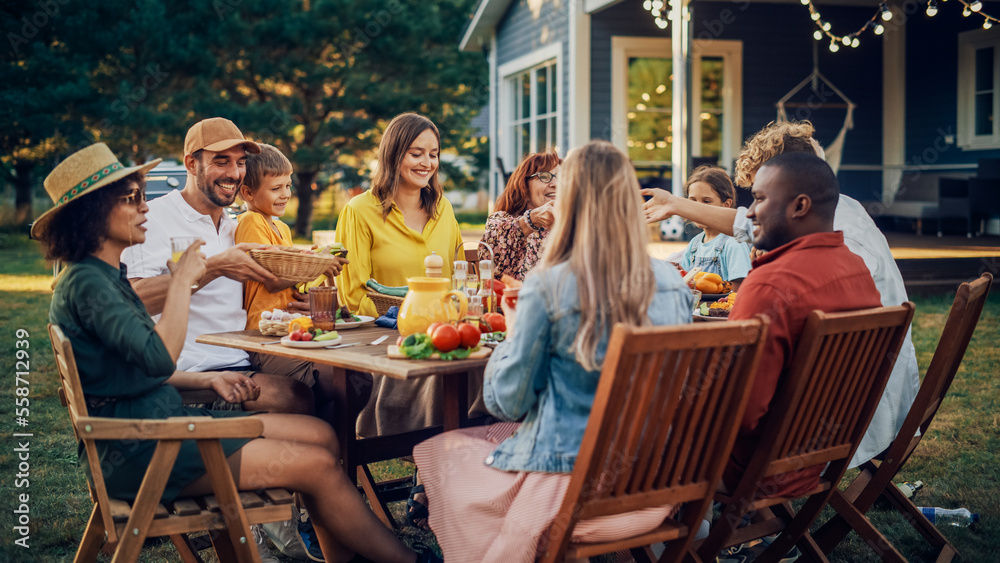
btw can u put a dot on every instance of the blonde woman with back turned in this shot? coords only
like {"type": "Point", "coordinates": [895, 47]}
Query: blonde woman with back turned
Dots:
{"type": "Point", "coordinates": [546, 372]}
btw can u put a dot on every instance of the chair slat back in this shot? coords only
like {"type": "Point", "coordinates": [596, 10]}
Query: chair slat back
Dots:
{"type": "Point", "coordinates": [76, 404]}
{"type": "Point", "coordinates": [970, 299]}
{"type": "Point", "coordinates": [828, 397]}
{"type": "Point", "coordinates": [667, 408]}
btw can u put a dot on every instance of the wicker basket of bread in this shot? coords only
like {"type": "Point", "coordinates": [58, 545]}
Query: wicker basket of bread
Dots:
{"type": "Point", "coordinates": [289, 263]}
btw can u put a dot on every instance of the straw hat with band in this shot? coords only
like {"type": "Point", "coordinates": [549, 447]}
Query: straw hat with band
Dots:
{"type": "Point", "coordinates": [82, 173]}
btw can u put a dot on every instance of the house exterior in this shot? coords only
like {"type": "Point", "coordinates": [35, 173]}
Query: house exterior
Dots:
{"type": "Point", "coordinates": [926, 92]}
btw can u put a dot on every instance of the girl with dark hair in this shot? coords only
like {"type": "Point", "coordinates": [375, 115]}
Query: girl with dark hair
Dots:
{"type": "Point", "coordinates": [388, 231]}
{"type": "Point", "coordinates": [127, 363]}
{"type": "Point", "coordinates": [711, 250]}
{"type": "Point", "coordinates": [523, 215]}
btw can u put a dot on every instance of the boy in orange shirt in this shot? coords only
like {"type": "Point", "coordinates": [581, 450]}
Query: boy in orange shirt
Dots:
{"type": "Point", "coordinates": [266, 189]}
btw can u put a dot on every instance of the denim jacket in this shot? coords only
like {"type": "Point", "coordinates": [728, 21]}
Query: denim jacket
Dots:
{"type": "Point", "coordinates": [535, 376]}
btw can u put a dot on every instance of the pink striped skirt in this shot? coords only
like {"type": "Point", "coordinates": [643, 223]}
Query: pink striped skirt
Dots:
{"type": "Point", "coordinates": [481, 514]}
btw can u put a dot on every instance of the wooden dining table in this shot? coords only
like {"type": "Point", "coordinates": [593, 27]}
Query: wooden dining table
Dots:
{"type": "Point", "coordinates": [365, 357]}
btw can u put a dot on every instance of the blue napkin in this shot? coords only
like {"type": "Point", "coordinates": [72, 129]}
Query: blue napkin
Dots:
{"type": "Point", "coordinates": [388, 320]}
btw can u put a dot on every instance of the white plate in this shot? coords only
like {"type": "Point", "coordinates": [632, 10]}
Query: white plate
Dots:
{"type": "Point", "coordinates": [699, 317]}
{"type": "Point", "coordinates": [364, 320]}
{"type": "Point", "coordinates": [286, 341]}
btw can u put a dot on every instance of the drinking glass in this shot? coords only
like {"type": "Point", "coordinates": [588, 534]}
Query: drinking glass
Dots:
{"type": "Point", "coordinates": [323, 306]}
{"type": "Point", "coordinates": [177, 247]}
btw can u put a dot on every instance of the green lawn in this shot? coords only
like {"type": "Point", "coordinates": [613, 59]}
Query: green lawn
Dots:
{"type": "Point", "coordinates": [957, 461]}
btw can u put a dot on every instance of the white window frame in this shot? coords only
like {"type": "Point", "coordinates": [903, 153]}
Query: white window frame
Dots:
{"type": "Point", "coordinates": [968, 43]}
{"type": "Point", "coordinates": [731, 52]}
{"type": "Point", "coordinates": [543, 56]}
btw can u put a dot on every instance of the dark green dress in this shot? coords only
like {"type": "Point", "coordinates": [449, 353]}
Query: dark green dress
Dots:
{"type": "Point", "coordinates": [119, 355]}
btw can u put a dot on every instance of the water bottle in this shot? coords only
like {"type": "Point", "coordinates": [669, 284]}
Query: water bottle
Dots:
{"type": "Point", "coordinates": [908, 489]}
{"type": "Point", "coordinates": [960, 517]}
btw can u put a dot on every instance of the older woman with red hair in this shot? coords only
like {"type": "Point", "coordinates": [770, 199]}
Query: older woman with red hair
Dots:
{"type": "Point", "coordinates": [523, 215]}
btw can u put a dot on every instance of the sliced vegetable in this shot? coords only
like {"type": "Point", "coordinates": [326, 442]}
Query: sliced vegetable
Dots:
{"type": "Point", "coordinates": [328, 335]}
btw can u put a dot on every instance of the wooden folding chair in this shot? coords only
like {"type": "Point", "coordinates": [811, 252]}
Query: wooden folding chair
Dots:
{"type": "Point", "coordinates": [876, 477]}
{"type": "Point", "coordinates": [125, 525]}
{"type": "Point", "coordinates": [667, 409]}
{"type": "Point", "coordinates": [819, 414]}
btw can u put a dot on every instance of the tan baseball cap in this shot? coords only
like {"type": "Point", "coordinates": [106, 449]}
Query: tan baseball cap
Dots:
{"type": "Point", "coordinates": [216, 134]}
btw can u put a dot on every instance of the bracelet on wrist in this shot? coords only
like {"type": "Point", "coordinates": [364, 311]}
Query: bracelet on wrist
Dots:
{"type": "Point", "coordinates": [527, 219]}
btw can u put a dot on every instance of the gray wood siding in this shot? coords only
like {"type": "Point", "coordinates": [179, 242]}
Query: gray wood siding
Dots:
{"type": "Point", "coordinates": [520, 32]}
{"type": "Point", "coordinates": [777, 55]}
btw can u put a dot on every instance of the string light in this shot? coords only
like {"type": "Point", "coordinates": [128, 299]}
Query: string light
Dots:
{"type": "Point", "coordinates": [886, 13]}
{"type": "Point", "coordinates": [660, 14]}
{"type": "Point", "coordinates": [882, 14]}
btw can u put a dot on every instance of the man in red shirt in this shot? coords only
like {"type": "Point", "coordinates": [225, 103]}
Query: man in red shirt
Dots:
{"type": "Point", "coordinates": [806, 267]}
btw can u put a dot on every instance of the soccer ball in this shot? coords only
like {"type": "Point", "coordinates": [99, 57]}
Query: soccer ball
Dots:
{"type": "Point", "coordinates": [672, 229]}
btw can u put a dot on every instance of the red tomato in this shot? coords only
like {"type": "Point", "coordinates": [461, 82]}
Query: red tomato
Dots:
{"type": "Point", "coordinates": [434, 325]}
{"type": "Point", "coordinates": [496, 322]}
{"type": "Point", "coordinates": [445, 338]}
{"type": "Point", "coordinates": [469, 335]}
{"type": "Point", "coordinates": [296, 336]}
{"type": "Point", "coordinates": [306, 336]}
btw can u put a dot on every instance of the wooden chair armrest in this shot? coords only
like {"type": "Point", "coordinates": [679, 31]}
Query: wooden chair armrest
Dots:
{"type": "Point", "coordinates": [174, 428]}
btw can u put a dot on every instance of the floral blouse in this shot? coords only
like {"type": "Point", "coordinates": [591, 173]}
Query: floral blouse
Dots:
{"type": "Point", "coordinates": [514, 252]}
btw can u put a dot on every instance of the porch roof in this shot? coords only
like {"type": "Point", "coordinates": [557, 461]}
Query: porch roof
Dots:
{"type": "Point", "coordinates": [489, 12]}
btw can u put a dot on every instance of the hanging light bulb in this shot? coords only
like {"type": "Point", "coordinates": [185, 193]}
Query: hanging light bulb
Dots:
{"type": "Point", "coordinates": [879, 29]}
{"type": "Point", "coordinates": [886, 14]}
{"type": "Point", "coordinates": [661, 23]}
{"type": "Point", "coordinates": [657, 4]}
{"type": "Point", "coordinates": [814, 16]}
{"type": "Point", "coordinates": [966, 12]}
{"type": "Point", "coordinates": [834, 47]}
{"type": "Point", "coordinates": [976, 6]}
{"type": "Point", "coordinates": [655, 12]}
{"type": "Point", "coordinates": [932, 8]}
{"type": "Point", "coordinates": [817, 35]}
{"type": "Point", "coordinates": [987, 24]}
{"type": "Point", "coordinates": [846, 40]}
{"type": "Point", "coordinates": [647, 5]}
{"type": "Point", "coordinates": [855, 43]}
{"type": "Point", "coordinates": [826, 26]}
{"type": "Point", "coordinates": [805, 2]}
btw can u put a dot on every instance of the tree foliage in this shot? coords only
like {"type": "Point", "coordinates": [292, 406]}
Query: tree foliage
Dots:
{"type": "Point", "coordinates": [317, 78]}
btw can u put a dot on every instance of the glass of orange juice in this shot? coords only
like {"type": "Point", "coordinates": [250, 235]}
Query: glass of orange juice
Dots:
{"type": "Point", "coordinates": [177, 247]}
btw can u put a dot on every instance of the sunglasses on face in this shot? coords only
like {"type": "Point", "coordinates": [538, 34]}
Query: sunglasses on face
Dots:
{"type": "Point", "coordinates": [136, 198]}
{"type": "Point", "coordinates": [544, 177]}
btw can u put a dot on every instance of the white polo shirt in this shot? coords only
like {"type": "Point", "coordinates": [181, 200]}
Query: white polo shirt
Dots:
{"type": "Point", "coordinates": [217, 307]}
{"type": "Point", "coordinates": [862, 237]}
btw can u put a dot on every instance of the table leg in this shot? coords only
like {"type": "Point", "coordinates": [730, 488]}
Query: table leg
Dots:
{"type": "Point", "coordinates": [456, 400]}
{"type": "Point", "coordinates": [345, 421]}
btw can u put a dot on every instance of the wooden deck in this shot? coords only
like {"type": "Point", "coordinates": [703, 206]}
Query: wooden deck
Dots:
{"type": "Point", "coordinates": [929, 264]}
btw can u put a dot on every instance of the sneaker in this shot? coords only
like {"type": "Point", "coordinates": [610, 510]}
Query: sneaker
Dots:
{"type": "Point", "coordinates": [286, 538]}
{"type": "Point", "coordinates": [263, 549]}
{"type": "Point", "coordinates": [748, 552]}
{"type": "Point", "coordinates": [307, 536]}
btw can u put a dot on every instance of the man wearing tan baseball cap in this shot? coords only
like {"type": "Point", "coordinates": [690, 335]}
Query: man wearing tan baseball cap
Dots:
{"type": "Point", "coordinates": [215, 158]}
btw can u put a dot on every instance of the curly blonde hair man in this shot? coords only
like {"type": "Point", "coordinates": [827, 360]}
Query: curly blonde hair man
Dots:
{"type": "Point", "coordinates": [769, 142]}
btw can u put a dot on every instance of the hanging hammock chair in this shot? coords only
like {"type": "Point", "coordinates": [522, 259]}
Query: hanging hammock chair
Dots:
{"type": "Point", "coordinates": [835, 150]}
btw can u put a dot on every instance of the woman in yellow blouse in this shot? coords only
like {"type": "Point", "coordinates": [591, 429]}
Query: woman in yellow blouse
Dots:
{"type": "Point", "coordinates": [388, 231]}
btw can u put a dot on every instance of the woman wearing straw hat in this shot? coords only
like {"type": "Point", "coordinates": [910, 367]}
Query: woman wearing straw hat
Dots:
{"type": "Point", "coordinates": [125, 360]}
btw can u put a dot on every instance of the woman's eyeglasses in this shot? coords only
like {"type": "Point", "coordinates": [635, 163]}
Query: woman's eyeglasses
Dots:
{"type": "Point", "coordinates": [136, 197]}
{"type": "Point", "coordinates": [545, 177]}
